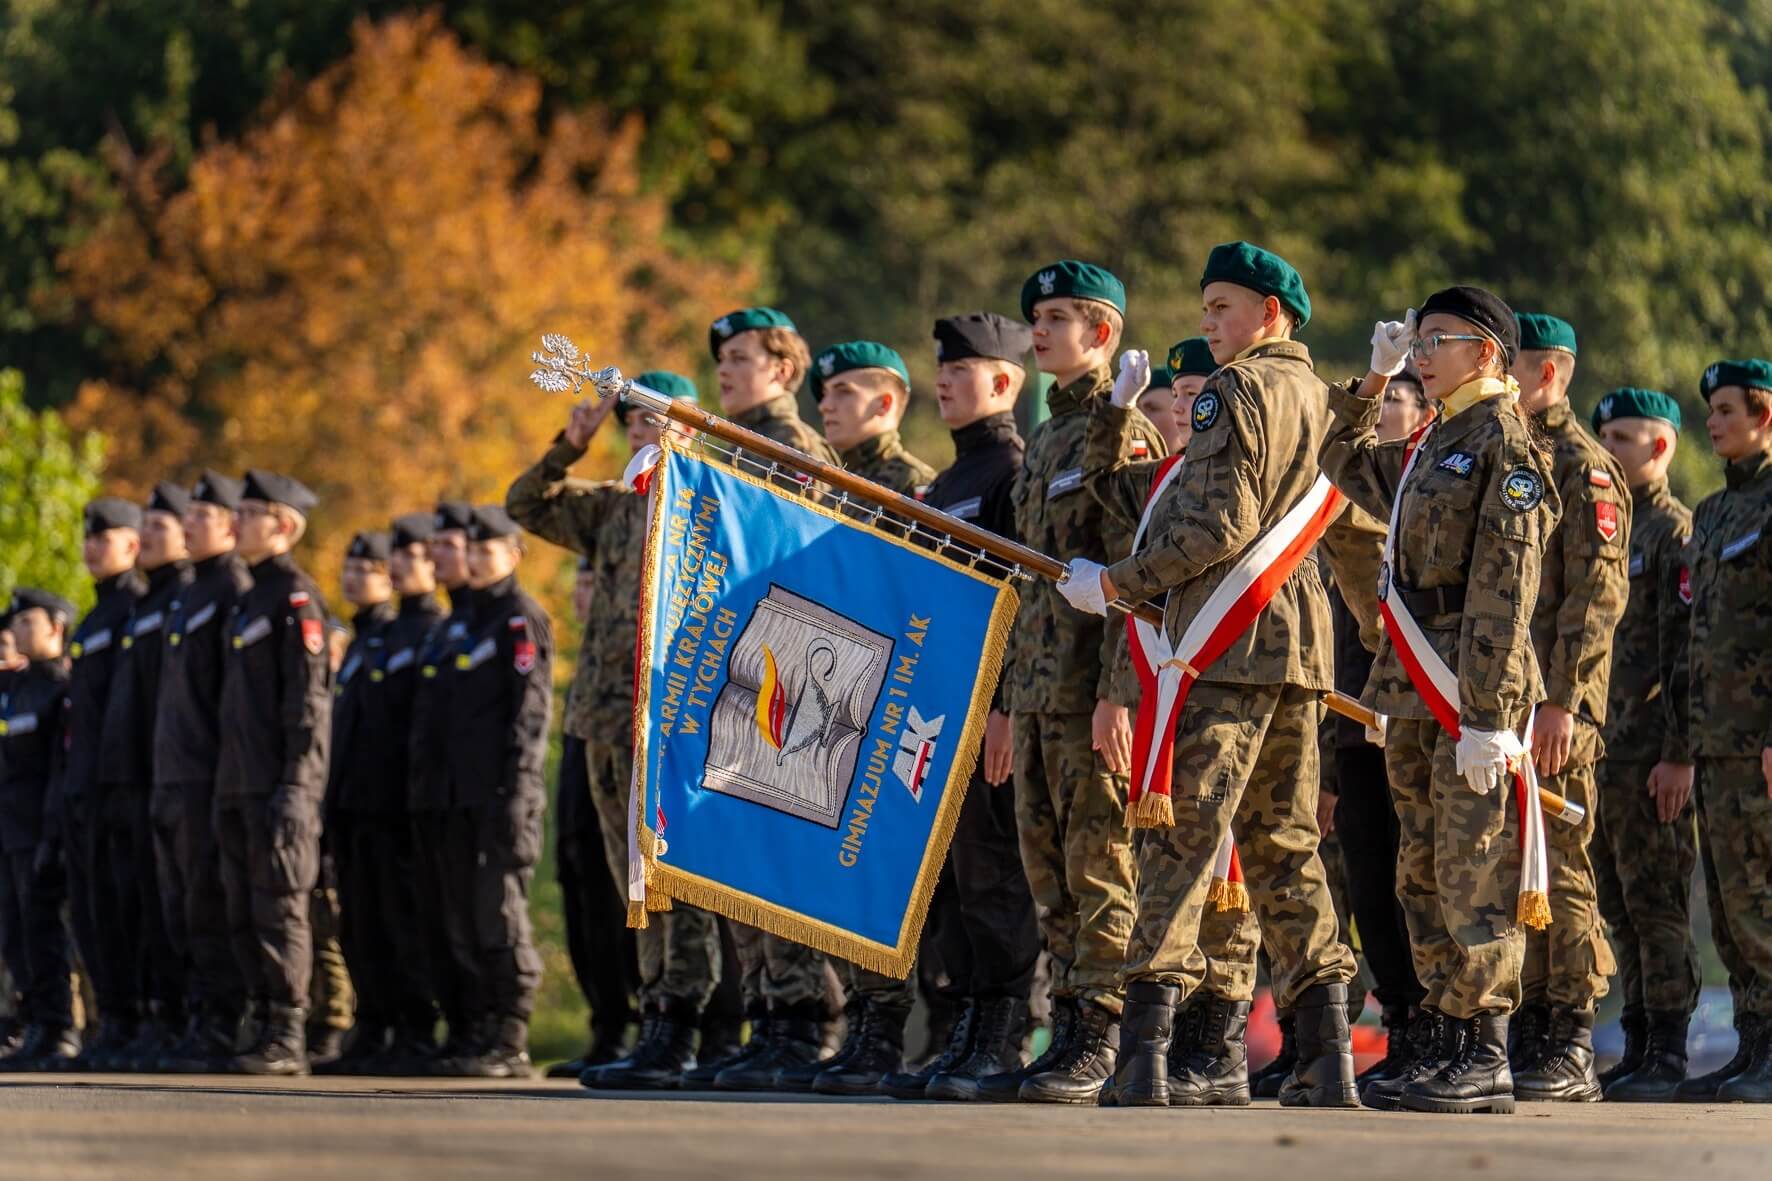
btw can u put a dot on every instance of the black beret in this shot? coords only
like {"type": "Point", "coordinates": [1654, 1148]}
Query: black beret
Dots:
{"type": "Point", "coordinates": [412, 528]}
{"type": "Point", "coordinates": [1484, 309]}
{"type": "Point", "coordinates": [273, 488]}
{"type": "Point", "coordinates": [215, 488]}
{"type": "Point", "coordinates": [452, 514]}
{"type": "Point", "coordinates": [490, 521]}
{"type": "Point", "coordinates": [982, 334]}
{"type": "Point", "coordinates": [112, 512]}
{"type": "Point", "coordinates": [370, 546]}
{"type": "Point", "coordinates": [169, 498]}
{"type": "Point", "coordinates": [26, 597]}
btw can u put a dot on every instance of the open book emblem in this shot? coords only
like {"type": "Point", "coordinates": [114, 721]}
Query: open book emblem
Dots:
{"type": "Point", "coordinates": [788, 726]}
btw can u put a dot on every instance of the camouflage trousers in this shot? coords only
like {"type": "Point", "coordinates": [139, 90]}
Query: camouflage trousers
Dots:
{"type": "Point", "coordinates": [1458, 875]}
{"type": "Point", "coordinates": [778, 973]}
{"type": "Point", "coordinates": [1735, 825]}
{"type": "Point", "coordinates": [1246, 760]}
{"type": "Point", "coordinates": [878, 988]}
{"type": "Point", "coordinates": [332, 1001]}
{"type": "Point", "coordinates": [1644, 872]}
{"type": "Point", "coordinates": [1070, 814]}
{"type": "Point", "coordinates": [1570, 963]}
{"type": "Point", "coordinates": [679, 950]}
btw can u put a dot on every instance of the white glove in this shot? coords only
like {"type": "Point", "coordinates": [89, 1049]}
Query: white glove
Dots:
{"type": "Point", "coordinates": [1081, 586]}
{"type": "Point", "coordinates": [1390, 344]}
{"type": "Point", "coordinates": [1482, 756]}
{"type": "Point", "coordinates": [1375, 732]}
{"type": "Point", "coordinates": [1134, 379]}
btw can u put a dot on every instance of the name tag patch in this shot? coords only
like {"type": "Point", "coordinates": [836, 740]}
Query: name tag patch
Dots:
{"type": "Point", "coordinates": [253, 632]}
{"type": "Point", "coordinates": [1064, 482]}
{"type": "Point", "coordinates": [966, 510]}
{"type": "Point", "coordinates": [399, 660]}
{"type": "Point", "coordinates": [1636, 565]}
{"type": "Point", "coordinates": [1740, 545]}
{"type": "Point", "coordinates": [98, 641]}
{"type": "Point", "coordinates": [350, 668]}
{"type": "Point", "coordinates": [482, 652]}
{"type": "Point", "coordinates": [149, 623]}
{"type": "Point", "coordinates": [203, 616]}
{"type": "Point", "coordinates": [1459, 463]}
{"type": "Point", "coordinates": [22, 724]}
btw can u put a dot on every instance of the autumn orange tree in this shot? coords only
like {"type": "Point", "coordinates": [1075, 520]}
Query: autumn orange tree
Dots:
{"type": "Point", "coordinates": [350, 292]}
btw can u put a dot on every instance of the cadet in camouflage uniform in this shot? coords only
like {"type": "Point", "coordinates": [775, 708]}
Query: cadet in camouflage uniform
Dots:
{"type": "Point", "coordinates": [1067, 684]}
{"type": "Point", "coordinates": [1646, 844]}
{"type": "Point", "coordinates": [1469, 543]}
{"type": "Point", "coordinates": [1723, 578]}
{"type": "Point", "coordinates": [1581, 599]}
{"type": "Point", "coordinates": [862, 389]}
{"type": "Point", "coordinates": [1246, 740]}
{"type": "Point", "coordinates": [760, 360]}
{"type": "Point", "coordinates": [679, 949]}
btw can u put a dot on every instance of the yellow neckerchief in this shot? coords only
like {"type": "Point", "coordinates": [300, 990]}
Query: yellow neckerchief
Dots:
{"type": "Point", "coordinates": [1480, 390]}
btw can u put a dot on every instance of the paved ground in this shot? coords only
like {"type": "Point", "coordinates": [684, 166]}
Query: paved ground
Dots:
{"type": "Point", "coordinates": [196, 1128]}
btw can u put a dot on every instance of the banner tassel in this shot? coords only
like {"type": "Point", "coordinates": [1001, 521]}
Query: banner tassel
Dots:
{"type": "Point", "coordinates": [637, 917]}
{"type": "Point", "coordinates": [1236, 898]}
{"type": "Point", "coordinates": [1534, 909]}
{"type": "Point", "coordinates": [1152, 810]}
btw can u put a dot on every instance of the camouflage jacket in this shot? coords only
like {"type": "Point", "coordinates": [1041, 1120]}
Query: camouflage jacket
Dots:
{"type": "Point", "coordinates": [1585, 578]}
{"type": "Point", "coordinates": [607, 524]}
{"type": "Point", "coordinates": [779, 419]}
{"type": "Point", "coordinates": [1726, 568]}
{"type": "Point", "coordinates": [1480, 506]}
{"type": "Point", "coordinates": [1258, 423]}
{"type": "Point", "coordinates": [1353, 549]}
{"type": "Point", "coordinates": [884, 460]}
{"type": "Point", "coordinates": [1639, 718]}
{"type": "Point", "coordinates": [1061, 660]}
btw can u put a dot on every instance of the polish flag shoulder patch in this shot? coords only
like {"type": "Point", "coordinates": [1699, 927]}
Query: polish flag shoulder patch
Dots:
{"type": "Point", "coordinates": [1606, 520]}
{"type": "Point", "coordinates": [313, 635]}
{"type": "Point", "coordinates": [1599, 477]}
{"type": "Point", "coordinates": [1686, 585]}
{"type": "Point", "coordinates": [518, 623]}
{"type": "Point", "coordinates": [299, 599]}
{"type": "Point", "coordinates": [1140, 448]}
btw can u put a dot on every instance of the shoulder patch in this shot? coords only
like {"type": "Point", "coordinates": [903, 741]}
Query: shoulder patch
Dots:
{"type": "Point", "coordinates": [517, 623]}
{"type": "Point", "coordinates": [1599, 477]}
{"type": "Point", "coordinates": [1606, 519]}
{"type": "Point", "coordinates": [299, 598]}
{"type": "Point", "coordinates": [1522, 490]}
{"type": "Point", "coordinates": [1140, 449]}
{"type": "Point", "coordinates": [313, 634]}
{"type": "Point", "coordinates": [1686, 585]}
{"type": "Point", "coordinates": [523, 656]}
{"type": "Point", "coordinates": [1206, 408]}
{"type": "Point", "coordinates": [1459, 463]}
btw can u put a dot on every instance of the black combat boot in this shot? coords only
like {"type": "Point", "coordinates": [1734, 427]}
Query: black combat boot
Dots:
{"type": "Point", "coordinates": [798, 1079]}
{"type": "Point", "coordinates": [1080, 1073]}
{"type": "Point", "coordinates": [1661, 1063]}
{"type": "Point", "coordinates": [1214, 1071]}
{"type": "Point", "coordinates": [368, 1044]}
{"type": "Point", "coordinates": [282, 1046]}
{"type": "Point", "coordinates": [500, 1049]}
{"type": "Point", "coordinates": [43, 1047]}
{"type": "Point", "coordinates": [1528, 1037]}
{"type": "Point", "coordinates": [998, 1027]}
{"type": "Point", "coordinates": [1400, 1046]}
{"type": "Point", "coordinates": [1754, 1084]}
{"type": "Point", "coordinates": [1477, 1081]}
{"type": "Point", "coordinates": [794, 1039]}
{"type": "Point", "coordinates": [215, 1039]}
{"type": "Point", "coordinates": [98, 1046]}
{"type": "Point", "coordinates": [878, 1052]}
{"type": "Point", "coordinates": [604, 1047]}
{"type": "Point", "coordinates": [1564, 1073]}
{"type": "Point", "coordinates": [1441, 1041]}
{"type": "Point", "coordinates": [141, 1055]}
{"type": "Point", "coordinates": [660, 1058]}
{"type": "Point", "coordinates": [711, 1064]}
{"type": "Point", "coordinates": [410, 1052]}
{"type": "Point", "coordinates": [1324, 1073]}
{"type": "Point", "coordinates": [1634, 1022]}
{"type": "Point", "coordinates": [1006, 1087]}
{"type": "Point", "coordinates": [649, 1018]}
{"type": "Point", "coordinates": [1266, 1082]}
{"type": "Point", "coordinates": [961, 1040]}
{"type": "Point", "coordinates": [326, 1045]}
{"type": "Point", "coordinates": [1147, 1025]}
{"type": "Point", "coordinates": [1704, 1088]}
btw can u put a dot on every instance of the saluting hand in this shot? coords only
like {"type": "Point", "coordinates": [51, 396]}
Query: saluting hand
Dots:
{"type": "Point", "coordinates": [1670, 786]}
{"type": "Point", "coordinates": [999, 751]}
{"type": "Point", "coordinates": [1111, 729]}
{"type": "Point", "coordinates": [586, 417]}
{"type": "Point", "coordinates": [1390, 344]}
{"type": "Point", "coordinates": [1134, 379]}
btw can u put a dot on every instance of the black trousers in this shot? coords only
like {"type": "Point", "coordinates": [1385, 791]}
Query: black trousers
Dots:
{"type": "Point", "coordinates": [446, 855]}
{"type": "Point", "coordinates": [137, 965]}
{"type": "Point", "coordinates": [270, 849]}
{"type": "Point", "coordinates": [81, 861]}
{"type": "Point", "coordinates": [496, 940]}
{"type": "Point", "coordinates": [604, 958]}
{"type": "Point", "coordinates": [376, 855]}
{"type": "Point", "coordinates": [193, 905]}
{"type": "Point", "coordinates": [1366, 823]}
{"type": "Point", "coordinates": [33, 941]}
{"type": "Point", "coordinates": [991, 897]}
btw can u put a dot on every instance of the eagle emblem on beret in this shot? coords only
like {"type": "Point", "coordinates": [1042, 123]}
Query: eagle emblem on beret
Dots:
{"type": "Point", "coordinates": [1606, 404]}
{"type": "Point", "coordinates": [827, 364]}
{"type": "Point", "coordinates": [1522, 490]}
{"type": "Point", "coordinates": [723, 325]}
{"type": "Point", "coordinates": [1048, 280]}
{"type": "Point", "coordinates": [1710, 377]}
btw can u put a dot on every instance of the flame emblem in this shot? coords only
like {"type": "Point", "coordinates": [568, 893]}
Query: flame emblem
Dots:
{"type": "Point", "coordinates": [772, 702]}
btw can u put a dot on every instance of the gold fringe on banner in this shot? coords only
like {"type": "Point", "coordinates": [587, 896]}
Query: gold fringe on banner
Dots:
{"type": "Point", "coordinates": [1233, 898]}
{"type": "Point", "coordinates": [1151, 811]}
{"type": "Point", "coordinates": [1534, 909]}
{"type": "Point", "coordinates": [637, 917]}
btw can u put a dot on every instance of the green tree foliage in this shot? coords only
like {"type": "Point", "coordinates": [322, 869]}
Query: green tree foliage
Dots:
{"type": "Point", "coordinates": [49, 474]}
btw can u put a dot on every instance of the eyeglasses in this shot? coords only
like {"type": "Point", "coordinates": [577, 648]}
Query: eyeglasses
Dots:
{"type": "Point", "coordinates": [1423, 347]}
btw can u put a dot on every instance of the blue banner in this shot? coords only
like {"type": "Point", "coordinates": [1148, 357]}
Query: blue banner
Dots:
{"type": "Point", "coordinates": [812, 697]}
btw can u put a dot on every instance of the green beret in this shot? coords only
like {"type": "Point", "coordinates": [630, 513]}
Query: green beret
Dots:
{"type": "Point", "coordinates": [1070, 279]}
{"type": "Point", "coordinates": [744, 320]}
{"type": "Point", "coordinates": [661, 381]}
{"type": "Point", "coordinates": [1259, 270]}
{"type": "Point", "coordinates": [1752, 373]}
{"type": "Point", "coordinates": [856, 354]}
{"type": "Point", "coordinates": [1161, 379]}
{"type": "Point", "coordinates": [1630, 402]}
{"type": "Point", "coordinates": [1191, 358]}
{"type": "Point", "coordinates": [1539, 332]}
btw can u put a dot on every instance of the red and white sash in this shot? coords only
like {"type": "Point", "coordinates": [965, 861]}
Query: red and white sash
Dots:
{"type": "Point", "coordinates": [1166, 671]}
{"type": "Point", "coordinates": [1438, 686]}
